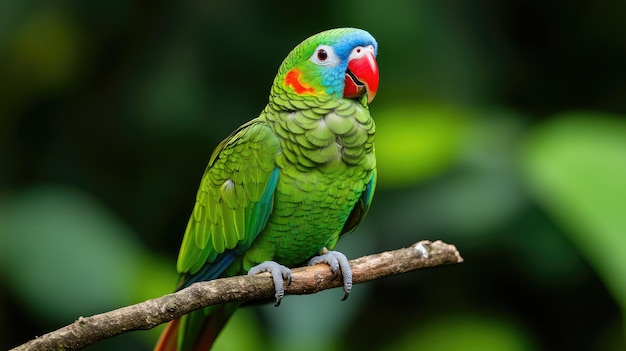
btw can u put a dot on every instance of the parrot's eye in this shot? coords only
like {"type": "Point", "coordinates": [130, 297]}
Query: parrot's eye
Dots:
{"type": "Point", "coordinates": [324, 55]}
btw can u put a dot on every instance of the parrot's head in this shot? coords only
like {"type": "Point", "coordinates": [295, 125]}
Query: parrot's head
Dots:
{"type": "Point", "coordinates": [334, 64]}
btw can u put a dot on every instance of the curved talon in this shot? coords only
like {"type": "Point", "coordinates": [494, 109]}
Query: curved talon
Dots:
{"type": "Point", "coordinates": [278, 272]}
{"type": "Point", "coordinates": [337, 262]}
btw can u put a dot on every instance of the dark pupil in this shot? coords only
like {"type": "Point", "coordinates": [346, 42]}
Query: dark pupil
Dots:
{"type": "Point", "coordinates": [322, 55]}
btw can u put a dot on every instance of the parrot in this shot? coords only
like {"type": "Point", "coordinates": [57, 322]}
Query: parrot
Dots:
{"type": "Point", "coordinates": [282, 189]}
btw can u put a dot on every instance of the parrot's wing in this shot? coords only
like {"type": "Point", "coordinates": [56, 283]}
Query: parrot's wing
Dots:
{"type": "Point", "coordinates": [234, 201]}
{"type": "Point", "coordinates": [359, 211]}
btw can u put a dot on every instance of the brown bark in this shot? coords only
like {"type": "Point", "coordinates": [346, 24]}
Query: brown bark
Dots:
{"type": "Point", "coordinates": [305, 280]}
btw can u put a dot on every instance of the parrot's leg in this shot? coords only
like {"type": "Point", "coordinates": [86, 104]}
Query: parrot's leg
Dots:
{"type": "Point", "coordinates": [337, 262]}
{"type": "Point", "coordinates": [278, 272]}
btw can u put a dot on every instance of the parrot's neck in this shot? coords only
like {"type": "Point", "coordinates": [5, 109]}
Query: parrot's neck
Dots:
{"type": "Point", "coordinates": [330, 134]}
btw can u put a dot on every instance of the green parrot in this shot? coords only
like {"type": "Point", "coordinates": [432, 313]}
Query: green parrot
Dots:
{"type": "Point", "coordinates": [282, 189]}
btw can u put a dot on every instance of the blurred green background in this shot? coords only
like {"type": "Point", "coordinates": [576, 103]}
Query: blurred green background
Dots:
{"type": "Point", "coordinates": [500, 128]}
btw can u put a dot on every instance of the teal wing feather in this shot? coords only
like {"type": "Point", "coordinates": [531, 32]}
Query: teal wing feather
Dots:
{"type": "Point", "coordinates": [235, 197]}
{"type": "Point", "coordinates": [362, 206]}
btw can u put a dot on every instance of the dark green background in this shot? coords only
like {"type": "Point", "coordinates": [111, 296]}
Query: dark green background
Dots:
{"type": "Point", "coordinates": [499, 128]}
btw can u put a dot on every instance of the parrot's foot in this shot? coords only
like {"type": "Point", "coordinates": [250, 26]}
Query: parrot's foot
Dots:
{"type": "Point", "coordinates": [278, 272]}
{"type": "Point", "coordinates": [337, 262]}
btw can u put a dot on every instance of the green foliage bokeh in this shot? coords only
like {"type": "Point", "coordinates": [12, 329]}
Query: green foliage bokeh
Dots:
{"type": "Point", "coordinates": [500, 128]}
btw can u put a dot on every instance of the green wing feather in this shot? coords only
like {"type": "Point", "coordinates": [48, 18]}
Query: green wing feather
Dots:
{"type": "Point", "coordinates": [234, 198]}
{"type": "Point", "coordinates": [362, 206]}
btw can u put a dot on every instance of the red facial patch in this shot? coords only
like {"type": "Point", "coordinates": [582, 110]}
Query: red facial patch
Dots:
{"type": "Point", "coordinates": [293, 80]}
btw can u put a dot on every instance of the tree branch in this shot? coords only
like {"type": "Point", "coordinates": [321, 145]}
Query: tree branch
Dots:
{"type": "Point", "coordinates": [305, 280]}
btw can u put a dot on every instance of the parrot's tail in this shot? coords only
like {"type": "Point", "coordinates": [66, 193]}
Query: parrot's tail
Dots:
{"type": "Point", "coordinates": [200, 329]}
{"type": "Point", "coordinates": [169, 337]}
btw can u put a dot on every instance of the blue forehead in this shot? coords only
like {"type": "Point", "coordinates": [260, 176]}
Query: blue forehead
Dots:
{"type": "Point", "coordinates": [351, 38]}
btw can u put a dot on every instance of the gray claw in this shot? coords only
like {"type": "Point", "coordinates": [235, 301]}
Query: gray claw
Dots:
{"type": "Point", "coordinates": [278, 272]}
{"type": "Point", "coordinates": [337, 262]}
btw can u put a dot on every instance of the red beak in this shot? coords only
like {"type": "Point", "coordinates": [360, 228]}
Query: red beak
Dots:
{"type": "Point", "coordinates": [361, 77]}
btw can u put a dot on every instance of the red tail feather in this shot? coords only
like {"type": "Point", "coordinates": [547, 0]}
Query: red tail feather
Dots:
{"type": "Point", "coordinates": [207, 330]}
{"type": "Point", "coordinates": [214, 324]}
{"type": "Point", "coordinates": [169, 337]}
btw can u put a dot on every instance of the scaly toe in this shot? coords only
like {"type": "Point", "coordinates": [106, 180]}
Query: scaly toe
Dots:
{"type": "Point", "coordinates": [278, 272]}
{"type": "Point", "coordinates": [337, 262]}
